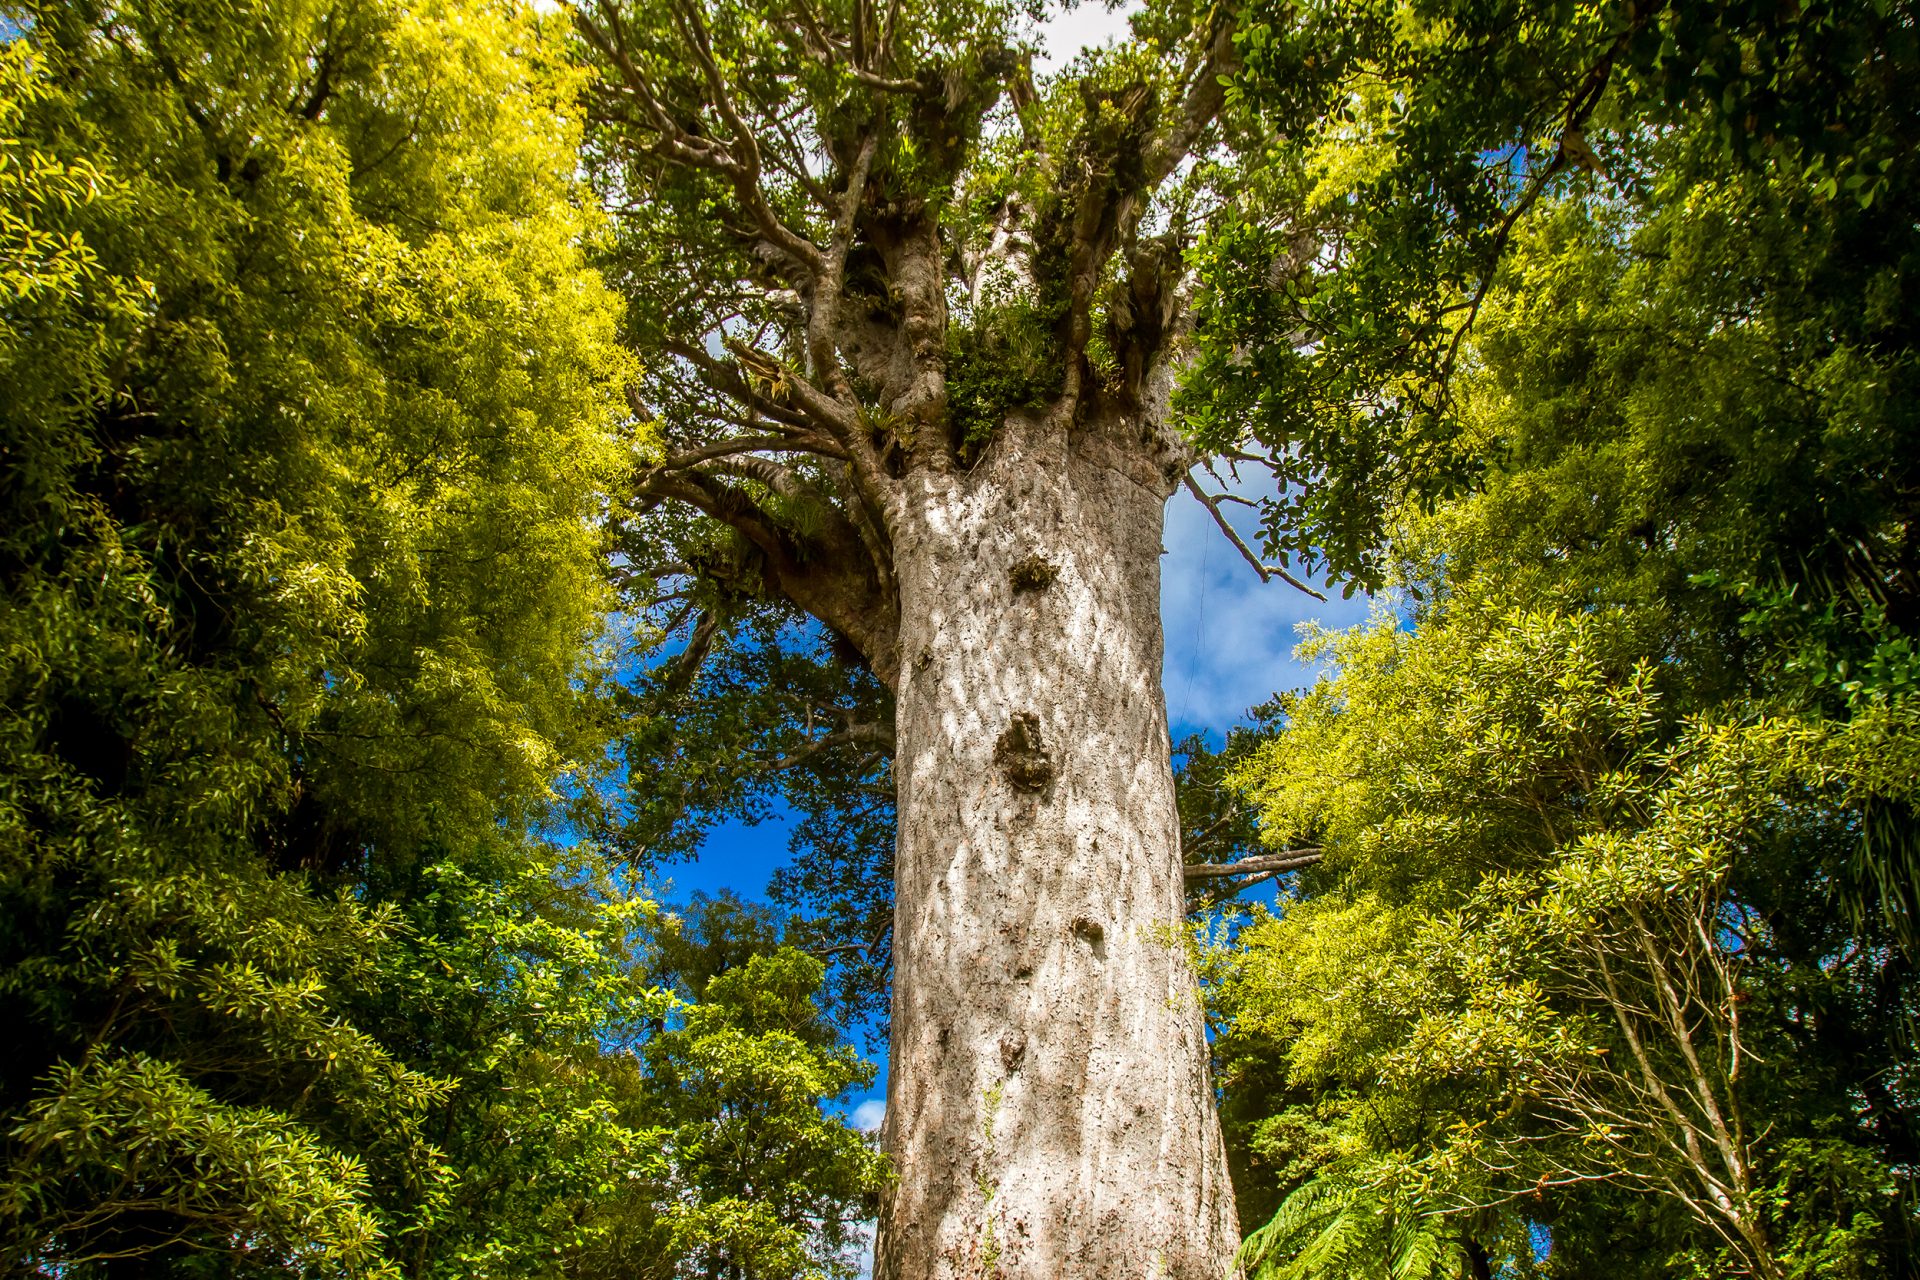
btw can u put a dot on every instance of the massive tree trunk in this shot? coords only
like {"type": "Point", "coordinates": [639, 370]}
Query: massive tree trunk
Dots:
{"type": "Point", "coordinates": [1049, 1106]}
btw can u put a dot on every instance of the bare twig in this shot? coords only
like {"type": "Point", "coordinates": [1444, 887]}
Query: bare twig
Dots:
{"type": "Point", "coordinates": [859, 948]}
{"type": "Point", "coordinates": [1267, 572]}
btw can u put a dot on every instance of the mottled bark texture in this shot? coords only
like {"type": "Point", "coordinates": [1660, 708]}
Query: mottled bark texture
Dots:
{"type": "Point", "coordinates": [1049, 1103]}
{"type": "Point", "coordinates": [987, 539]}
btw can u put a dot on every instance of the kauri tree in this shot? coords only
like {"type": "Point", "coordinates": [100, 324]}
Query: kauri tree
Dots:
{"type": "Point", "coordinates": [912, 323]}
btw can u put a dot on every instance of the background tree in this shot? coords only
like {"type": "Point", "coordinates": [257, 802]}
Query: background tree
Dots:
{"type": "Point", "coordinates": [1612, 883]}
{"type": "Point", "coordinates": [313, 416]}
{"type": "Point", "coordinates": [758, 1181]}
{"type": "Point", "coordinates": [297, 572]}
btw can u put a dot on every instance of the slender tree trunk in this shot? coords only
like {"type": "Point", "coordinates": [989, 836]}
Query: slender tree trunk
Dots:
{"type": "Point", "coordinates": [1049, 1107]}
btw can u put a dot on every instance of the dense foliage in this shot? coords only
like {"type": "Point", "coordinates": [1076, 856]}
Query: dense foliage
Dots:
{"type": "Point", "coordinates": [1583, 331]}
{"type": "Point", "coordinates": [313, 408]}
{"type": "Point", "coordinates": [1608, 968]}
{"type": "Point", "coordinates": [1409, 144]}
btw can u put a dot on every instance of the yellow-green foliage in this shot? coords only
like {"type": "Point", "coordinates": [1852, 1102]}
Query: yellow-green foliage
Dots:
{"type": "Point", "coordinates": [1381, 758]}
{"type": "Point", "coordinates": [1550, 908]}
{"type": "Point", "coordinates": [312, 404]}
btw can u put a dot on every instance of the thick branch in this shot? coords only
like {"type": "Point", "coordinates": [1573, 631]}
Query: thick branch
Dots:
{"type": "Point", "coordinates": [728, 448]}
{"type": "Point", "coordinates": [868, 504]}
{"type": "Point", "coordinates": [732, 381]}
{"type": "Point", "coordinates": [832, 576]}
{"type": "Point", "coordinates": [887, 84]}
{"type": "Point", "coordinates": [814, 402]}
{"type": "Point", "coordinates": [1204, 97]}
{"type": "Point", "coordinates": [1122, 169]}
{"type": "Point", "coordinates": [781, 480]}
{"type": "Point", "coordinates": [699, 645]}
{"type": "Point", "coordinates": [1266, 864]}
{"type": "Point", "coordinates": [823, 318]}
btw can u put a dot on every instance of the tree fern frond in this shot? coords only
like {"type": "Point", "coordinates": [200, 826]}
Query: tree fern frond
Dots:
{"type": "Point", "coordinates": [1340, 1226]}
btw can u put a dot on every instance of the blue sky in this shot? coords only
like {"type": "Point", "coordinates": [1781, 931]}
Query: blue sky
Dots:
{"type": "Point", "coordinates": [1230, 638]}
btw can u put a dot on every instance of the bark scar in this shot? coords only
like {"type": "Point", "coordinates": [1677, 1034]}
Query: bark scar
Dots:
{"type": "Point", "coordinates": [1021, 756]}
{"type": "Point", "coordinates": [1090, 932]}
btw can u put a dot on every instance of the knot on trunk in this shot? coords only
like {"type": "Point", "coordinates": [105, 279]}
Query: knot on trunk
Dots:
{"type": "Point", "coordinates": [1013, 1047]}
{"type": "Point", "coordinates": [1032, 574]}
{"type": "Point", "coordinates": [1020, 755]}
{"type": "Point", "coordinates": [1090, 932]}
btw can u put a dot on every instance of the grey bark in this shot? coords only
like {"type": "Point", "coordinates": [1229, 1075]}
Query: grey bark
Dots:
{"type": "Point", "coordinates": [1049, 1106]}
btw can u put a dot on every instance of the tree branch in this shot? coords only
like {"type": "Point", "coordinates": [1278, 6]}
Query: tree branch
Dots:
{"type": "Point", "coordinates": [1204, 97]}
{"type": "Point", "coordinates": [691, 658]}
{"type": "Point", "coordinates": [1572, 149]}
{"type": "Point", "coordinates": [679, 145]}
{"type": "Point", "coordinates": [1224, 890]}
{"type": "Point", "coordinates": [837, 948]}
{"type": "Point", "coordinates": [1265, 865]}
{"type": "Point", "coordinates": [871, 484]}
{"type": "Point", "coordinates": [726, 448]}
{"type": "Point", "coordinates": [1267, 572]}
{"type": "Point", "coordinates": [830, 574]}
{"type": "Point", "coordinates": [815, 413]}
{"type": "Point", "coordinates": [814, 402]}
{"type": "Point", "coordinates": [874, 732]}
{"type": "Point", "coordinates": [747, 168]}
{"type": "Point", "coordinates": [887, 84]}
{"type": "Point", "coordinates": [824, 313]}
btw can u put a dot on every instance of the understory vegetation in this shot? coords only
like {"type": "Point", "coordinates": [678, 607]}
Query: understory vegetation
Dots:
{"type": "Point", "coordinates": [351, 696]}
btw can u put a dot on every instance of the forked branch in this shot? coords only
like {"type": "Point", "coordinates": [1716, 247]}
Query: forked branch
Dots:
{"type": "Point", "coordinates": [1267, 572]}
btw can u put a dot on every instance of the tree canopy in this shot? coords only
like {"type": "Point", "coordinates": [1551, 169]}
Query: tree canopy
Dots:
{"type": "Point", "coordinates": [314, 409]}
{"type": "Point", "coordinates": [1606, 965]}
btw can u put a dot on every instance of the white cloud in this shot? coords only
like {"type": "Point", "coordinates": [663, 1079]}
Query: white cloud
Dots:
{"type": "Point", "coordinates": [1230, 638]}
{"type": "Point", "coordinates": [867, 1116]}
{"type": "Point", "coordinates": [1079, 26]}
